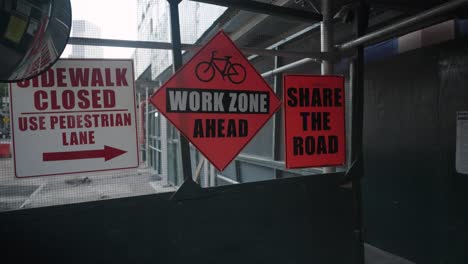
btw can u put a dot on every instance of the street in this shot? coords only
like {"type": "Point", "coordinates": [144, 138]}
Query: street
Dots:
{"type": "Point", "coordinates": [33, 192]}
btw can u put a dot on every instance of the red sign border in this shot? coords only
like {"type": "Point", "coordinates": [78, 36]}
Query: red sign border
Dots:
{"type": "Point", "coordinates": [256, 72]}
{"type": "Point", "coordinates": [285, 121]}
{"type": "Point", "coordinates": [74, 172]}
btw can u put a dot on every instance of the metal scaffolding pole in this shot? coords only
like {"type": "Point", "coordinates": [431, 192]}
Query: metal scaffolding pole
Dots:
{"type": "Point", "coordinates": [205, 181]}
{"type": "Point", "coordinates": [393, 30]}
{"type": "Point", "coordinates": [326, 35]}
{"type": "Point", "coordinates": [277, 118]}
{"type": "Point", "coordinates": [212, 176]}
{"type": "Point", "coordinates": [287, 67]}
{"type": "Point", "coordinates": [184, 145]}
{"type": "Point", "coordinates": [326, 45]}
{"type": "Point", "coordinates": [140, 129]}
{"type": "Point", "coordinates": [268, 9]}
{"type": "Point", "coordinates": [139, 44]}
{"type": "Point", "coordinates": [404, 25]}
{"type": "Point", "coordinates": [164, 150]}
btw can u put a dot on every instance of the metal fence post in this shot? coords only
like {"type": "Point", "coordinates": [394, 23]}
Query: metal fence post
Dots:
{"type": "Point", "coordinates": [146, 128]}
{"type": "Point", "coordinates": [140, 129]}
{"type": "Point", "coordinates": [277, 120]}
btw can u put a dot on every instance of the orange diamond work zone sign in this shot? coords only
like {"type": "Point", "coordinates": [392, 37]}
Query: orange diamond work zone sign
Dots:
{"type": "Point", "coordinates": [217, 100]}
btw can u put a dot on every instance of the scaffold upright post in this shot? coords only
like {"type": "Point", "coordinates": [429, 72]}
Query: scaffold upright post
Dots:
{"type": "Point", "coordinates": [184, 145]}
{"type": "Point", "coordinates": [326, 45]}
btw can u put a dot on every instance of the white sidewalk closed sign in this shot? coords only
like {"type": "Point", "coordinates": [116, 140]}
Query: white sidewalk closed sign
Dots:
{"type": "Point", "coordinates": [79, 116]}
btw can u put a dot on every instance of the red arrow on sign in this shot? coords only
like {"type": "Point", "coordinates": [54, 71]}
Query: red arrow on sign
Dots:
{"type": "Point", "coordinates": [107, 153]}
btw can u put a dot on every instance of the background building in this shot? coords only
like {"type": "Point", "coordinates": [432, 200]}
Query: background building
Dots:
{"type": "Point", "coordinates": [154, 25]}
{"type": "Point", "coordinates": [85, 28]}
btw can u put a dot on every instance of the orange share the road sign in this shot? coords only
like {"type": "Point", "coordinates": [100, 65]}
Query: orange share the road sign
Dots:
{"type": "Point", "coordinates": [314, 113]}
{"type": "Point", "coordinates": [217, 100]}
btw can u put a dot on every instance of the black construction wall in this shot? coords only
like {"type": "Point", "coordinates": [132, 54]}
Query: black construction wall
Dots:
{"type": "Point", "coordinates": [299, 220]}
{"type": "Point", "coordinates": [415, 204]}
{"type": "Point", "coordinates": [454, 94]}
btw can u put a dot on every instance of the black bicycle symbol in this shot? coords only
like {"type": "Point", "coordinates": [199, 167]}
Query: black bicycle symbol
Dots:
{"type": "Point", "coordinates": [205, 70]}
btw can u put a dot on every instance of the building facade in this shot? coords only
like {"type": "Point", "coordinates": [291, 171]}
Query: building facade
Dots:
{"type": "Point", "coordinates": [154, 25]}
{"type": "Point", "coordinates": [83, 28]}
